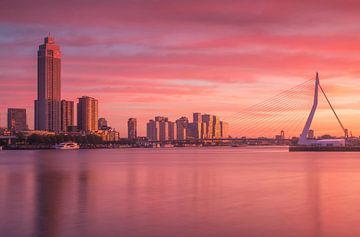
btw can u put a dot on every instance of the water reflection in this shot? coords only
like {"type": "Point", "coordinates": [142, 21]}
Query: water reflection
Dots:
{"type": "Point", "coordinates": [183, 192]}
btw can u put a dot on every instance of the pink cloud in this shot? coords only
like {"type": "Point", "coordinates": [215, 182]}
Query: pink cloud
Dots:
{"type": "Point", "coordinates": [143, 58]}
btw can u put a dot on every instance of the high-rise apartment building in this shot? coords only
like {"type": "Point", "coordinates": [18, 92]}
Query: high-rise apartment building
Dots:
{"type": "Point", "coordinates": [181, 126]}
{"type": "Point", "coordinates": [197, 118]}
{"type": "Point", "coordinates": [16, 120]}
{"type": "Point", "coordinates": [163, 128]}
{"type": "Point", "coordinates": [67, 115]}
{"type": "Point", "coordinates": [207, 119]}
{"type": "Point", "coordinates": [47, 105]}
{"type": "Point", "coordinates": [153, 130]}
{"type": "Point", "coordinates": [132, 128]}
{"type": "Point", "coordinates": [87, 114]}
{"type": "Point", "coordinates": [216, 127]}
{"type": "Point", "coordinates": [172, 131]}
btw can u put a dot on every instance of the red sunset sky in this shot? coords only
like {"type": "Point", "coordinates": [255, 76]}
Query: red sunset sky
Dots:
{"type": "Point", "coordinates": [143, 58]}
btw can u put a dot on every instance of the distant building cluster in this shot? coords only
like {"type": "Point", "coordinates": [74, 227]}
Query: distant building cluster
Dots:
{"type": "Point", "coordinates": [54, 115]}
{"type": "Point", "coordinates": [204, 126]}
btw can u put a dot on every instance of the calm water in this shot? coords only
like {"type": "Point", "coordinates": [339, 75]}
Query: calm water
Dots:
{"type": "Point", "coordinates": [179, 192]}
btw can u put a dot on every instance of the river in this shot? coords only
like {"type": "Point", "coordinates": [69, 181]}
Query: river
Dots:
{"type": "Point", "coordinates": [173, 192]}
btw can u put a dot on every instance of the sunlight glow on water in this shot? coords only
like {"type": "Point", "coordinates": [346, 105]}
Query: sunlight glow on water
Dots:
{"type": "Point", "coordinates": [179, 192]}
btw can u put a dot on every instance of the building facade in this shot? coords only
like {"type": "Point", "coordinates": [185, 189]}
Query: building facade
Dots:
{"type": "Point", "coordinates": [172, 131]}
{"type": "Point", "coordinates": [224, 127]}
{"type": "Point", "coordinates": [87, 114]}
{"type": "Point", "coordinates": [16, 119]}
{"type": "Point", "coordinates": [132, 128]}
{"type": "Point", "coordinates": [216, 127]}
{"type": "Point", "coordinates": [67, 115]}
{"type": "Point", "coordinates": [102, 124]}
{"type": "Point", "coordinates": [208, 125]}
{"type": "Point", "coordinates": [181, 127]}
{"type": "Point", "coordinates": [153, 130]}
{"type": "Point", "coordinates": [47, 105]}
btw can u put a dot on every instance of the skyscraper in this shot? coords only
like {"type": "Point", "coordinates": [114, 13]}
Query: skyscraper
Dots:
{"type": "Point", "coordinates": [87, 114]}
{"type": "Point", "coordinates": [132, 128]}
{"type": "Point", "coordinates": [16, 120]}
{"type": "Point", "coordinates": [47, 105]}
{"type": "Point", "coordinates": [67, 114]}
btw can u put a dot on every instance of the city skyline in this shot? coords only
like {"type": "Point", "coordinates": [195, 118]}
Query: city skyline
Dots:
{"type": "Point", "coordinates": [139, 65]}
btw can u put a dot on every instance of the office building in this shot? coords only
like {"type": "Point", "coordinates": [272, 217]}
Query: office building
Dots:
{"type": "Point", "coordinates": [67, 115]}
{"type": "Point", "coordinates": [87, 114]}
{"type": "Point", "coordinates": [16, 120]}
{"type": "Point", "coordinates": [47, 105]}
{"type": "Point", "coordinates": [132, 128]}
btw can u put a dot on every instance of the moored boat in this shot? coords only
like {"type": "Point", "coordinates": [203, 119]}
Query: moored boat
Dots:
{"type": "Point", "coordinates": [67, 146]}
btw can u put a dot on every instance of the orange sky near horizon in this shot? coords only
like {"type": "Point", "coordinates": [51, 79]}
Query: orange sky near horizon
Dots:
{"type": "Point", "coordinates": [171, 58]}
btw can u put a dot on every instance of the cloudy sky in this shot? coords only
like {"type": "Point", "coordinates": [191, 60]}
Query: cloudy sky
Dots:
{"type": "Point", "coordinates": [143, 58]}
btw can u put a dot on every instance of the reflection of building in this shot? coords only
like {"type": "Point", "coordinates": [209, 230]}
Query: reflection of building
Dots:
{"type": "Point", "coordinates": [87, 114]}
{"type": "Point", "coordinates": [67, 115]}
{"type": "Point", "coordinates": [132, 128]}
{"type": "Point", "coordinates": [47, 105]}
{"type": "Point", "coordinates": [17, 119]}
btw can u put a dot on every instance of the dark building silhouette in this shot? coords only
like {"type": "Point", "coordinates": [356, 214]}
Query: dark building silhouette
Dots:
{"type": "Point", "coordinates": [16, 119]}
{"type": "Point", "coordinates": [102, 124]}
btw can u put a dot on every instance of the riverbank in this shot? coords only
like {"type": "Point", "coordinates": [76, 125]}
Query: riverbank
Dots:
{"type": "Point", "coordinates": [324, 149]}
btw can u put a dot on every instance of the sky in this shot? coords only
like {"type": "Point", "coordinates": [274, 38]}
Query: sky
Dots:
{"type": "Point", "coordinates": [143, 58]}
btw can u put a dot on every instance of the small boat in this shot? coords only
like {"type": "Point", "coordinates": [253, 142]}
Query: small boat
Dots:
{"type": "Point", "coordinates": [67, 146]}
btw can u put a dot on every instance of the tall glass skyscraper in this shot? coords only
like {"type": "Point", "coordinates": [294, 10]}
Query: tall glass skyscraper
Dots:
{"type": "Point", "coordinates": [47, 105]}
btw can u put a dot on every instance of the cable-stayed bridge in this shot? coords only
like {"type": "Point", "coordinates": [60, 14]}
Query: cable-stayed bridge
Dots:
{"type": "Point", "coordinates": [291, 111]}
{"type": "Point", "coordinates": [285, 118]}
